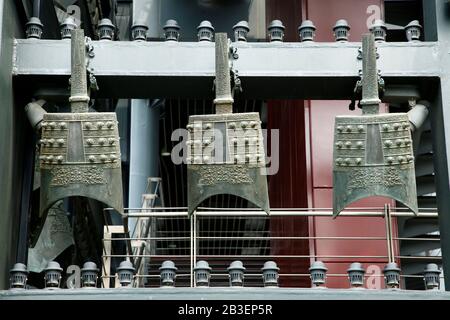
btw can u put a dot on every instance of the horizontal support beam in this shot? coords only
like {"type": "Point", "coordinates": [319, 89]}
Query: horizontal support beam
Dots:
{"type": "Point", "coordinates": [222, 294]}
{"type": "Point", "coordinates": [286, 70]}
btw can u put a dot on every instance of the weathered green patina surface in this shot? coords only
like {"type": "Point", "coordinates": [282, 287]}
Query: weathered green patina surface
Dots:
{"type": "Point", "coordinates": [80, 151]}
{"type": "Point", "coordinates": [226, 150]}
{"type": "Point", "coordinates": [373, 154]}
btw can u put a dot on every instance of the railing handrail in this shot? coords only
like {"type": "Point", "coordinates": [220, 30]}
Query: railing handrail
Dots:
{"type": "Point", "coordinates": [190, 251]}
{"type": "Point", "coordinates": [302, 212]}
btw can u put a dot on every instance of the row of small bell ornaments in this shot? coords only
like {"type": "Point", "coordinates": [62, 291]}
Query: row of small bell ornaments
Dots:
{"type": "Point", "coordinates": [53, 275]}
{"type": "Point", "coordinates": [236, 274]}
{"type": "Point", "coordinates": [318, 275]}
{"type": "Point", "coordinates": [202, 273]}
{"type": "Point", "coordinates": [19, 276]}
{"type": "Point", "coordinates": [236, 270]}
{"type": "Point", "coordinates": [205, 31]}
{"type": "Point", "coordinates": [276, 31]}
{"type": "Point", "coordinates": [391, 272]}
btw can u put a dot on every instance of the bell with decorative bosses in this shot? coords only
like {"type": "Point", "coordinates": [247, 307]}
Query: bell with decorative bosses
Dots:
{"type": "Point", "coordinates": [80, 152]}
{"type": "Point", "coordinates": [225, 151]}
{"type": "Point", "coordinates": [373, 153]}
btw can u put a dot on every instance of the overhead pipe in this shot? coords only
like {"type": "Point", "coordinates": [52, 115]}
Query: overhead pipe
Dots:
{"type": "Point", "coordinates": [35, 113]}
{"type": "Point", "coordinates": [144, 120]}
{"type": "Point", "coordinates": [417, 117]}
{"type": "Point", "coordinates": [147, 12]}
{"type": "Point", "coordinates": [418, 114]}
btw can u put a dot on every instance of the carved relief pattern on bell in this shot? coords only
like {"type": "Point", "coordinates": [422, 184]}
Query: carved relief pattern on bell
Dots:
{"type": "Point", "coordinates": [80, 139]}
{"type": "Point", "coordinates": [225, 139]}
{"type": "Point", "coordinates": [351, 138]}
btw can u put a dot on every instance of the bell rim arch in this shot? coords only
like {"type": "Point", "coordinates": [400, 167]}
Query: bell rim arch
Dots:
{"type": "Point", "coordinates": [192, 209]}
{"type": "Point", "coordinates": [337, 211]}
{"type": "Point", "coordinates": [43, 211]}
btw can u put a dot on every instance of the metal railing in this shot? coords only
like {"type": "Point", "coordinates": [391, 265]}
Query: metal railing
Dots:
{"type": "Point", "coordinates": [222, 235]}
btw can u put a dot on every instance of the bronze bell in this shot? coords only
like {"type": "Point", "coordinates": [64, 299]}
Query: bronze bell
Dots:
{"type": "Point", "coordinates": [373, 154]}
{"type": "Point", "coordinates": [225, 150]}
{"type": "Point", "coordinates": [80, 152]}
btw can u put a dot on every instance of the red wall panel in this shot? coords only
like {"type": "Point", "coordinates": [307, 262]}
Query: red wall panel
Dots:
{"type": "Point", "coordinates": [325, 13]}
{"type": "Point", "coordinates": [287, 188]}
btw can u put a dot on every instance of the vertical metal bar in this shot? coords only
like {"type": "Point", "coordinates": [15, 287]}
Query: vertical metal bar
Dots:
{"type": "Point", "coordinates": [386, 225]}
{"type": "Point", "coordinates": [27, 188]}
{"type": "Point", "coordinates": [389, 237]}
{"type": "Point", "coordinates": [10, 149]}
{"type": "Point", "coordinates": [106, 257]}
{"type": "Point", "coordinates": [437, 28]}
{"type": "Point", "coordinates": [194, 259]}
{"type": "Point", "coordinates": [191, 247]}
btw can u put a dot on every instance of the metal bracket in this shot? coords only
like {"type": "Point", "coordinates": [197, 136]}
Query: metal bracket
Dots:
{"type": "Point", "coordinates": [89, 47]}
{"type": "Point", "coordinates": [357, 91]}
{"type": "Point", "coordinates": [381, 85]}
{"type": "Point", "coordinates": [236, 81]}
{"type": "Point", "coordinates": [93, 85]}
{"type": "Point", "coordinates": [359, 56]}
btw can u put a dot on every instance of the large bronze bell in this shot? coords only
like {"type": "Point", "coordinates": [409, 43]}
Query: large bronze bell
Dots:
{"type": "Point", "coordinates": [373, 154]}
{"type": "Point", "coordinates": [225, 150]}
{"type": "Point", "coordinates": [80, 151]}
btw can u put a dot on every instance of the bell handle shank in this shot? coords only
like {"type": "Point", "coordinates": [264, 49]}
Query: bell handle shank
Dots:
{"type": "Point", "coordinates": [370, 102]}
{"type": "Point", "coordinates": [224, 100]}
{"type": "Point", "coordinates": [79, 98]}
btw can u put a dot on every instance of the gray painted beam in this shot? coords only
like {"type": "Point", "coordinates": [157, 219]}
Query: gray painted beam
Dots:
{"type": "Point", "coordinates": [286, 70]}
{"type": "Point", "coordinates": [222, 294]}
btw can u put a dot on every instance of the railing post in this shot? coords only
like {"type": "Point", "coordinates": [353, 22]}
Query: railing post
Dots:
{"type": "Point", "coordinates": [194, 259]}
{"type": "Point", "coordinates": [389, 240]}
{"type": "Point", "coordinates": [106, 269]}
{"type": "Point", "coordinates": [191, 247]}
{"type": "Point", "coordinates": [107, 251]}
